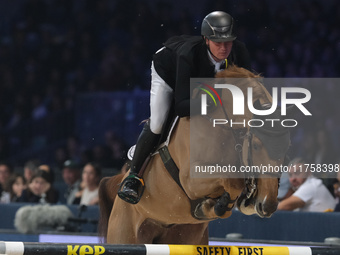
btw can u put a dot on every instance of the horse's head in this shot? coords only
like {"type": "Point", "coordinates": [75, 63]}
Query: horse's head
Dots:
{"type": "Point", "coordinates": [264, 150]}
{"type": "Point", "coordinates": [264, 147]}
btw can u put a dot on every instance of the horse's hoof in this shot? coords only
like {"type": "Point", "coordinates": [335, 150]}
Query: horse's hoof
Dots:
{"type": "Point", "coordinates": [245, 201]}
{"type": "Point", "coordinates": [198, 213]}
{"type": "Point", "coordinates": [222, 205]}
{"type": "Point", "coordinates": [200, 209]}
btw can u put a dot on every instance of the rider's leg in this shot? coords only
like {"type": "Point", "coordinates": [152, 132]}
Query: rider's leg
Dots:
{"type": "Point", "coordinates": [160, 102]}
{"type": "Point", "coordinates": [132, 187]}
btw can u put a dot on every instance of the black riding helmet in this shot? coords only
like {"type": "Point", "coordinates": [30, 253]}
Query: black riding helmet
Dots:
{"type": "Point", "coordinates": [217, 26]}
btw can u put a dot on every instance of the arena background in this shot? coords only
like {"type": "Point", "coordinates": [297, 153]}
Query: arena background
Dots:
{"type": "Point", "coordinates": [75, 75]}
{"type": "Point", "coordinates": [75, 78]}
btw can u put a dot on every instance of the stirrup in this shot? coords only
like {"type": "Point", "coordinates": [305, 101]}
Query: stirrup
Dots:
{"type": "Point", "coordinates": [122, 193]}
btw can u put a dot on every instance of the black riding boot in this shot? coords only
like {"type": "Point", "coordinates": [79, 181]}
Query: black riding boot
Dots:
{"type": "Point", "coordinates": [132, 186]}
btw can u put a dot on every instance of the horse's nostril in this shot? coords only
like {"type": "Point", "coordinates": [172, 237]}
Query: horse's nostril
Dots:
{"type": "Point", "coordinates": [264, 210]}
{"type": "Point", "coordinates": [267, 209]}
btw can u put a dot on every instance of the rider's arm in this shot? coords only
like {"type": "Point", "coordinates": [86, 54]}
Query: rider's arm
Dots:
{"type": "Point", "coordinates": [182, 90]}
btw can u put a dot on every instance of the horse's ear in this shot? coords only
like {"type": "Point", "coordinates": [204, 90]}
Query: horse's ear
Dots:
{"type": "Point", "coordinates": [257, 105]}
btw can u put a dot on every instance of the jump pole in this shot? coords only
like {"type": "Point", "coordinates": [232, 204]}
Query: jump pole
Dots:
{"type": "Point", "coordinates": [25, 248]}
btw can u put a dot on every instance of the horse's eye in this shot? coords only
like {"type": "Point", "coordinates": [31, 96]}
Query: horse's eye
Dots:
{"type": "Point", "coordinates": [256, 146]}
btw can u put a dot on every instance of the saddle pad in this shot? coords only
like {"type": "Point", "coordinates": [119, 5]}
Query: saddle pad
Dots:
{"type": "Point", "coordinates": [131, 151]}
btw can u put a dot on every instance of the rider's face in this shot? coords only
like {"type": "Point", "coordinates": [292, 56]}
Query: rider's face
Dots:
{"type": "Point", "coordinates": [220, 50]}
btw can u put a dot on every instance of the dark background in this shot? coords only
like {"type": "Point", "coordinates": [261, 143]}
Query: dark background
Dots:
{"type": "Point", "coordinates": [75, 75]}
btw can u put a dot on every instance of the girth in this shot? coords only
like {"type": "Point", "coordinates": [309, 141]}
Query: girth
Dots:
{"type": "Point", "coordinates": [173, 170]}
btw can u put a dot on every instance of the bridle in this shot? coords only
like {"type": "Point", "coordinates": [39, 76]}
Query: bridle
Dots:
{"type": "Point", "coordinates": [239, 135]}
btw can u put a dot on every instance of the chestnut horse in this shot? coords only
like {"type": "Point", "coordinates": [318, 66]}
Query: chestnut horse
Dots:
{"type": "Point", "coordinates": [163, 214]}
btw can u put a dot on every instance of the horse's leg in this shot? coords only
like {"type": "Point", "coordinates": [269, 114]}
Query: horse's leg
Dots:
{"type": "Point", "coordinates": [220, 201]}
{"type": "Point", "coordinates": [152, 231]}
{"type": "Point", "coordinates": [123, 224]}
{"type": "Point", "coordinates": [196, 234]}
{"type": "Point", "coordinates": [210, 188]}
{"type": "Point", "coordinates": [233, 189]}
{"type": "Point", "coordinates": [215, 208]}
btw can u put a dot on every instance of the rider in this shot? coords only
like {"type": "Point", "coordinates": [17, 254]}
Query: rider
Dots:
{"type": "Point", "coordinates": [182, 58]}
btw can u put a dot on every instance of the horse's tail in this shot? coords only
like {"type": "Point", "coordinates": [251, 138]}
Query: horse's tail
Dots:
{"type": "Point", "coordinates": [107, 192]}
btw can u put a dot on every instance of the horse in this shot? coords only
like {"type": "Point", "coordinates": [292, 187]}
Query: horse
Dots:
{"type": "Point", "coordinates": [164, 213]}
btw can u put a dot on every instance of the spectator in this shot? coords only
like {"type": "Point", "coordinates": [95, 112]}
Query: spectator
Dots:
{"type": "Point", "coordinates": [15, 186]}
{"type": "Point", "coordinates": [40, 189]}
{"type": "Point", "coordinates": [91, 177]}
{"type": "Point", "coordinates": [310, 195]}
{"type": "Point", "coordinates": [29, 168]}
{"type": "Point", "coordinates": [285, 189]}
{"type": "Point", "coordinates": [5, 172]}
{"type": "Point", "coordinates": [71, 175]}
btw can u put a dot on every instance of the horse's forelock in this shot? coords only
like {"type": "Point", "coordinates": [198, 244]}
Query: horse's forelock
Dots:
{"type": "Point", "coordinates": [236, 72]}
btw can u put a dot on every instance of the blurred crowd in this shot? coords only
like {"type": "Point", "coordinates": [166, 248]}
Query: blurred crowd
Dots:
{"type": "Point", "coordinates": [300, 188]}
{"type": "Point", "coordinates": [38, 183]}
{"type": "Point", "coordinates": [50, 51]}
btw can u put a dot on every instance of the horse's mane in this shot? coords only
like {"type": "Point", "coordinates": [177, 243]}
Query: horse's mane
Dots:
{"type": "Point", "coordinates": [234, 71]}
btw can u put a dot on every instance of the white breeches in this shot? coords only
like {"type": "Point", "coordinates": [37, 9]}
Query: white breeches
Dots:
{"type": "Point", "coordinates": [160, 101]}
